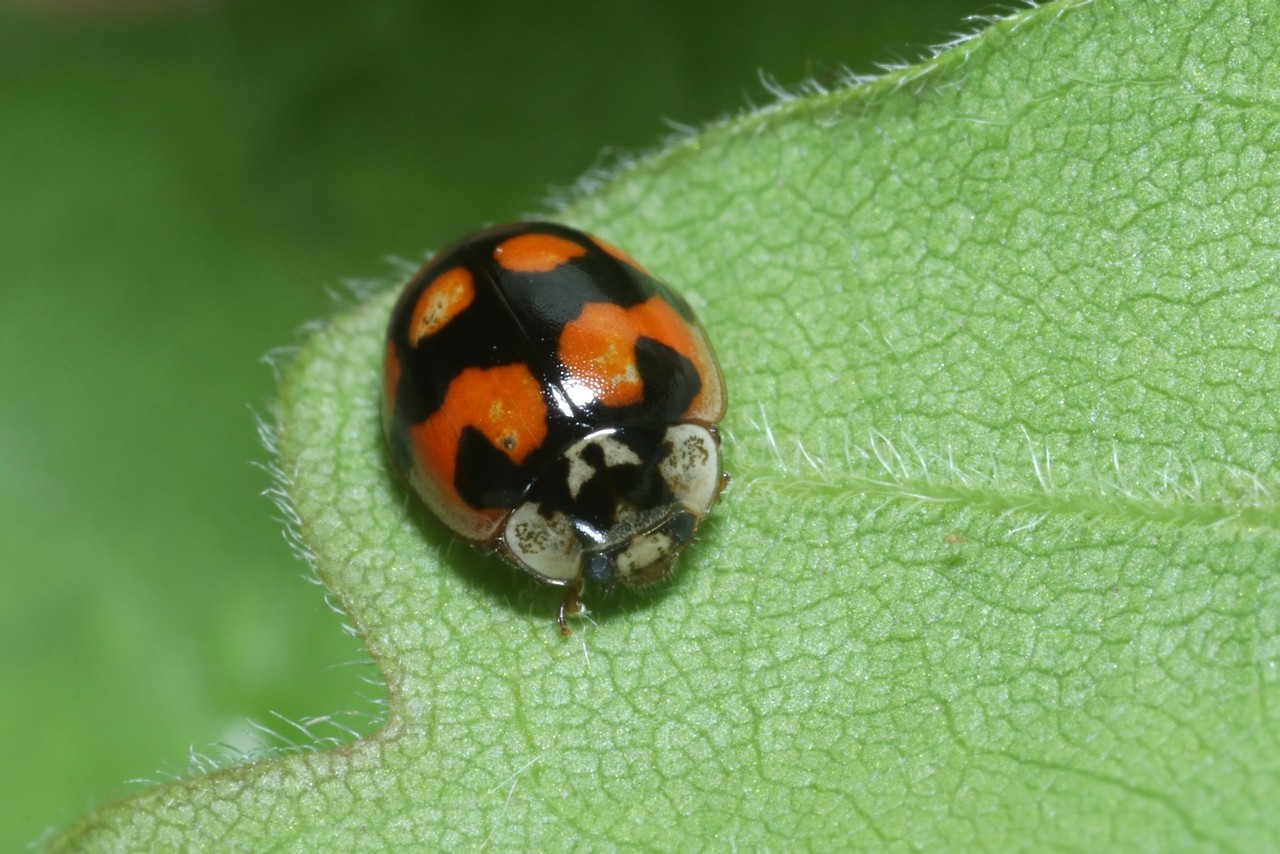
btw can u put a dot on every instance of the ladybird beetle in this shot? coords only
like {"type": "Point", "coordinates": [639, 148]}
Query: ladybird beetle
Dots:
{"type": "Point", "coordinates": [549, 399]}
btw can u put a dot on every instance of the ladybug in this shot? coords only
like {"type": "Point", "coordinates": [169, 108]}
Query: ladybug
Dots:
{"type": "Point", "coordinates": [551, 400]}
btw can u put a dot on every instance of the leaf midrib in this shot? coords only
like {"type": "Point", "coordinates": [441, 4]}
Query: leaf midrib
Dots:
{"type": "Point", "coordinates": [1171, 504]}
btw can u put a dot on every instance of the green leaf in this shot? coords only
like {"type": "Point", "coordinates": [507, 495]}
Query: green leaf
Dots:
{"type": "Point", "coordinates": [998, 567]}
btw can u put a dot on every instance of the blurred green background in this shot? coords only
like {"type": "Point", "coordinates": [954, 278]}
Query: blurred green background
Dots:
{"type": "Point", "coordinates": [183, 186]}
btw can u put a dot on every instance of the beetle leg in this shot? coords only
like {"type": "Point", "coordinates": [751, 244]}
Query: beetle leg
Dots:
{"type": "Point", "coordinates": [570, 607]}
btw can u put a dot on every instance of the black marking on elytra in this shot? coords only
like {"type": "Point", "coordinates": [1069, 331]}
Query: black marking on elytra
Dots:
{"type": "Point", "coordinates": [486, 477]}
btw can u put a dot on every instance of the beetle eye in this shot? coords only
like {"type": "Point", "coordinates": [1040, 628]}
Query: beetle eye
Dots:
{"type": "Point", "coordinates": [599, 570]}
{"type": "Point", "coordinates": [681, 527]}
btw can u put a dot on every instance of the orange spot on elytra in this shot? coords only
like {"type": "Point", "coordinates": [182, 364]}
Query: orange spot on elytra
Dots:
{"type": "Point", "coordinates": [599, 348]}
{"type": "Point", "coordinates": [505, 404]}
{"type": "Point", "coordinates": [440, 302]}
{"type": "Point", "coordinates": [536, 252]}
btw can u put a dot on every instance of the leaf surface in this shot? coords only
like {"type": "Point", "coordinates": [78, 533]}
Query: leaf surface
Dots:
{"type": "Point", "coordinates": [998, 566]}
